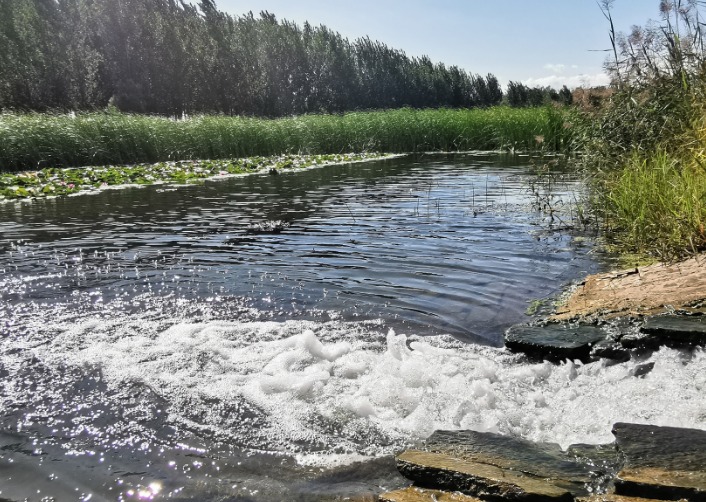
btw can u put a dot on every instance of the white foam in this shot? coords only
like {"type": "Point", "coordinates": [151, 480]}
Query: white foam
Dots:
{"type": "Point", "coordinates": [334, 390]}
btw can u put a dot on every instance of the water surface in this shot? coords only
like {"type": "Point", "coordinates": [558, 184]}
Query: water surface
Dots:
{"type": "Point", "coordinates": [156, 345]}
{"type": "Point", "coordinates": [431, 245]}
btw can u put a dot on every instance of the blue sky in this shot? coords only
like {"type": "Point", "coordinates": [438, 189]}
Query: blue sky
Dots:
{"type": "Point", "coordinates": [538, 42]}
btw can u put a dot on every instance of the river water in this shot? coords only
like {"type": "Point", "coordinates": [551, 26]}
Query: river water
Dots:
{"type": "Point", "coordinates": [165, 343]}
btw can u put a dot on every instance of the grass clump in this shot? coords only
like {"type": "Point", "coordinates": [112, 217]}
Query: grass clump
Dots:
{"type": "Point", "coordinates": [33, 141]}
{"type": "Point", "coordinates": [655, 205]}
{"type": "Point", "coordinates": [646, 146]}
{"type": "Point", "coordinates": [652, 199]}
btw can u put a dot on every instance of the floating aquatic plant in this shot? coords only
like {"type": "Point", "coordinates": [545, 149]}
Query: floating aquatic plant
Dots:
{"type": "Point", "coordinates": [58, 181]}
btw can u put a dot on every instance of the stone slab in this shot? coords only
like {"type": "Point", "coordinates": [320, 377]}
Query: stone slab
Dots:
{"type": "Point", "coordinates": [677, 330]}
{"type": "Point", "coordinates": [543, 460]}
{"type": "Point", "coordinates": [666, 462]}
{"type": "Point", "coordinates": [639, 290]}
{"type": "Point", "coordinates": [415, 494]}
{"type": "Point", "coordinates": [443, 471]}
{"type": "Point", "coordinates": [554, 342]}
{"type": "Point", "coordinates": [653, 482]}
{"type": "Point", "coordinates": [675, 448]}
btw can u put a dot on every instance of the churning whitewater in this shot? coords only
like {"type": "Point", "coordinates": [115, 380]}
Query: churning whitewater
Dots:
{"type": "Point", "coordinates": [327, 391]}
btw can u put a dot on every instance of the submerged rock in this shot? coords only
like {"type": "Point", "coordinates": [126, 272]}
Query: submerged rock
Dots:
{"type": "Point", "coordinates": [267, 227]}
{"type": "Point", "coordinates": [603, 460]}
{"type": "Point", "coordinates": [554, 342]}
{"type": "Point", "coordinates": [663, 462]}
{"type": "Point", "coordinates": [610, 349]}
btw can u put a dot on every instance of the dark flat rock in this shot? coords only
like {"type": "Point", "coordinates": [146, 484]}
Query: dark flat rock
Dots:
{"type": "Point", "coordinates": [670, 330]}
{"type": "Point", "coordinates": [554, 342]}
{"type": "Point", "coordinates": [445, 472]}
{"type": "Point", "coordinates": [544, 460]}
{"type": "Point", "coordinates": [667, 447]}
{"type": "Point", "coordinates": [677, 329]}
{"type": "Point", "coordinates": [661, 462]}
{"type": "Point", "coordinates": [646, 462]}
{"type": "Point", "coordinates": [494, 466]}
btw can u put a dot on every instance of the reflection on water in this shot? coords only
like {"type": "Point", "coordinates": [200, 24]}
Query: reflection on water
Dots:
{"type": "Point", "coordinates": [156, 344]}
{"type": "Point", "coordinates": [433, 245]}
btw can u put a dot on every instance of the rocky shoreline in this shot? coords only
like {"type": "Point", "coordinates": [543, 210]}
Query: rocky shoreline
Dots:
{"type": "Point", "coordinates": [644, 462]}
{"type": "Point", "coordinates": [615, 316]}
{"type": "Point", "coordinates": [619, 315]}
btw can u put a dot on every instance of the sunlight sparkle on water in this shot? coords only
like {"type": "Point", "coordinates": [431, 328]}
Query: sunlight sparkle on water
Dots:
{"type": "Point", "coordinates": [150, 337]}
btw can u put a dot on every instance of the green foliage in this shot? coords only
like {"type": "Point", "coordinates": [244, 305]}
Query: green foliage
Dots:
{"type": "Point", "coordinates": [47, 59]}
{"type": "Point", "coordinates": [659, 76]}
{"type": "Point", "coordinates": [520, 95]}
{"type": "Point", "coordinates": [641, 120]}
{"type": "Point", "coordinates": [172, 58]}
{"type": "Point", "coordinates": [30, 141]}
{"type": "Point", "coordinates": [646, 144]}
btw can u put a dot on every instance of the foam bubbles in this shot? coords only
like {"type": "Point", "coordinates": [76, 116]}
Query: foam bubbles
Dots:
{"type": "Point", "coordinates": [341, 390]}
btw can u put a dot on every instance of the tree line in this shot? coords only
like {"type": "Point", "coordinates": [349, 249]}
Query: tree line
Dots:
{"type": "Point", "coordinates": [172, 57]}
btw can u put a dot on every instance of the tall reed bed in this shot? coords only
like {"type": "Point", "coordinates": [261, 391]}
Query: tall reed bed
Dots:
{"type": "Point", "coordinates": [30, 141]}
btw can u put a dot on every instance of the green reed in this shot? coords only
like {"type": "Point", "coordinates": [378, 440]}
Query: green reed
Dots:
{"type": "Point", "coordinates": [32, 141]}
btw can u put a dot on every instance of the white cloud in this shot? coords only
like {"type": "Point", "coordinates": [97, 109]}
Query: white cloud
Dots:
{"type": "Point", "coordinates": [559, 67]}
{"type": "Point", "coordinates": [571, 81]}
{"type": "Point", "coordinates": [555, 68]}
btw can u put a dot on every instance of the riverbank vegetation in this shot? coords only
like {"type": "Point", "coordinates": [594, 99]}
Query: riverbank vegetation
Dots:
{"type": "Point", "coordinates": [31, 141]}
{"type": "Point", "coordinates": [94, 83]}
{"type": "Point", "coordinates": [646, 147]}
